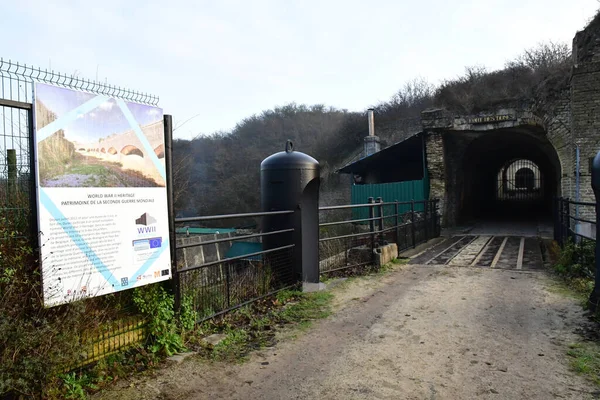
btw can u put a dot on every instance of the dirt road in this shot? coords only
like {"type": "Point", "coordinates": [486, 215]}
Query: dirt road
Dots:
{"type": "Point", "coordinates": [422, 332]}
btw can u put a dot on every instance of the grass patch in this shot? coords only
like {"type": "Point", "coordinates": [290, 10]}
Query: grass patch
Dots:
{"type": "Point", "coordinates": [255, 326]}
{"type": "Point", "coordinates": [566, 289]}
{"type": "Point", "coordinates": [89, 169]}
{"type": "Point", "coordinates": [585, 360]}
{"type": "Point", "coordinates": [392, 266]}
{"type": "Point", "coordinates": [234, 347]}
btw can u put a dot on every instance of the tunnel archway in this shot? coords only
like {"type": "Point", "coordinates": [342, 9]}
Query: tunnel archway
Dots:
{"type": "Point", "coordinates": [160, 151]}
{"type": "Point", "coordinates": [509, 175]}
{"type": "Point", "coordinates": [130, 149]}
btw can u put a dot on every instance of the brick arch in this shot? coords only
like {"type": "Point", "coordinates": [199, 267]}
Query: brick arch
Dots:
{"type": "Point", "coordinates": [112, 151]}
{"type": "Point", "coordinates": [130, 149]}
{"type": "Point", "coordinates": [103, 150]}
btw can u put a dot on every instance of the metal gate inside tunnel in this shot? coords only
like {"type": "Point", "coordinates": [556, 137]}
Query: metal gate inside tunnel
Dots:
{"type": "Point", "coordinates": [520, 181]}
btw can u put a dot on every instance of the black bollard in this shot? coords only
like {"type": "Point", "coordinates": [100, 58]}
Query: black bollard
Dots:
{"type": "Point", "coordinates": [290, 181]}
{"type": "Point", "coordinates": [595, 296]}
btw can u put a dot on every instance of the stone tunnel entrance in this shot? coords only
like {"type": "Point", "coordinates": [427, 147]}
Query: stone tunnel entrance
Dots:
{"type": "Point", "coordinates": [506, 175]}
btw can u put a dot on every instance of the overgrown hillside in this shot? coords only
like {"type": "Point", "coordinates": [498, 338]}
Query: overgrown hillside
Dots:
{"type": "Point", "coordinates": [220, 173]}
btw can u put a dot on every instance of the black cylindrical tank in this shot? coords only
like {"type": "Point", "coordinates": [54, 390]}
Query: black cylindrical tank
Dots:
{"type": "Point", "coordinates": [594, 300]}
{"type": "Point", "coordinates": [290, 180]}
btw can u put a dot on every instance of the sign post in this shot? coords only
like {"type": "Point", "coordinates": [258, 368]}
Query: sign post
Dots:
{"type": "Point", "coordinates": [102, 197]}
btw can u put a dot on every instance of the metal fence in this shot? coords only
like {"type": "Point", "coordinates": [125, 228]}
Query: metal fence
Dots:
{"type": "Point", "coordinates": [349, 242]}
{"type": "Point", "coordinates": [219, 272]}
{"type": "Point", "coordinates": [574, 221]}
{"type": "Point", "coordinates": [214, 274]}
{"type": "Point", "coordinates": [17, 168]}
{"type": "Point", "coordinates": [575, 232]}
{"type": "Point", "coordinates": [231, 261]}
{"type": "Point", "coordinates": [17, 187]}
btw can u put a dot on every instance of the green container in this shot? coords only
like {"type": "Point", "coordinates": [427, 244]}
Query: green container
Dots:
{"type": "Point", "coordinates": [389, 192]}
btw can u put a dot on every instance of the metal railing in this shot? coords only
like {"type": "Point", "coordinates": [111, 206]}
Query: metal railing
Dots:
{"type": "Point", "coordinates": [574, 221]}
{"type": "Point", "coordinates": [575, 232]}
{"type": "Point", "coordinates": [347, 242]}
{"type": "Point", "coordinates": [219, 272]}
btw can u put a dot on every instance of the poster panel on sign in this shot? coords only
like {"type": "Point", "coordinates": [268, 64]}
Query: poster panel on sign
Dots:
{"type": "Point", "coordinates": [102, 198]}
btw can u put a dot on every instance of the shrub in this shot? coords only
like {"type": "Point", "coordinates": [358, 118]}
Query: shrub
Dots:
{"type": "Point", "coordinates": [576, 260]}
{"type": "Point", "coordinates": [37, 344]}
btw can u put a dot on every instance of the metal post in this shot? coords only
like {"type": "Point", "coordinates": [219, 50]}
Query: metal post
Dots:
{"type": "Point", "coordinates": [397, 222]}
{"type": "Point", "coordinates": [594, 297]}
{"type": "Point", "coordinates": [436, 218]}
{"type": "Point", "coordinates": [228, 277]}
{"type": "Point", "coordinates": [380, 216]}
{"type": "Point", "coordinates": [555, 217]}
{"type": "Point", "coordinates": [425, 222]}
{"type": "Point", "coordinates": [412, 222]}
{"type": "Point", "coordinates": [11, 161]}
{"type": "Point", "coordinates": [372, 222]}
{"type": "Point", "coordinates": [175, 287]}
{"type": "Point", "coordinates": [577, 184]}
{"type": "Point", "coordinates": [561, 221]}
{"type": "Point", "coordinates": [430, 205]}
{"type": "Point", "coordinates": [567, 219]}
{"type": "Point", "coordinates": [33, 211]}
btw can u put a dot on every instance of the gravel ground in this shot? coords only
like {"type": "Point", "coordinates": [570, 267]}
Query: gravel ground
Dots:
{"type": "Point", "coordinates": [420, 332]}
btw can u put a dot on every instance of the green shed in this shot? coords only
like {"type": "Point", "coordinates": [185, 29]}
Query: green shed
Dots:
{"type": "Point", "coordinates": [395, 173]}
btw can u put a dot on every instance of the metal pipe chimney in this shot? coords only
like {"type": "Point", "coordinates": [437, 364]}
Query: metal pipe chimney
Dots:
{"type": "Point", "coordinates": [372, 144]}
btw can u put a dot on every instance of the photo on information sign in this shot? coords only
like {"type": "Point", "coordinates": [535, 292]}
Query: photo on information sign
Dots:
{"type": "Point", "coordinates": [98, 148]}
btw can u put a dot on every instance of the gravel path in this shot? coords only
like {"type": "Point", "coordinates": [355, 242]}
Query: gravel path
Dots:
{"type": "Point", "coordinates": [421, 332]}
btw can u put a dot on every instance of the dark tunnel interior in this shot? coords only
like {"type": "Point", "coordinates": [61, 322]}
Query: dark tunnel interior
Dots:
{"type": "Point", "coordinates": [508, 175]}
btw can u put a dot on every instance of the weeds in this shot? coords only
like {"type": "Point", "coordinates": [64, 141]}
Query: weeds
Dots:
{"type": "Point", "coordinates": [255, 326]}
{"type": "Point", "coordinates": [75, 385]}
{"type": "Point", "coordinates": [575, 265]}
{"type": "Point", "coordinates": [234, 347]}
{"type": "Point", "coordinates": [585, 360]}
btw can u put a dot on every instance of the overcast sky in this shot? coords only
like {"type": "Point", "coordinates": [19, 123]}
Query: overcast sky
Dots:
{"type": "Point", "coordinates": [227, 60]}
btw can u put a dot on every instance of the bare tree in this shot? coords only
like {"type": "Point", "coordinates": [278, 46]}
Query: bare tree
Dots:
{"type": "Point", "coordinates": [544, 56]}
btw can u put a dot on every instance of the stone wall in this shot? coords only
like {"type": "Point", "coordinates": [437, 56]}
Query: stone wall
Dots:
{"type": "Point", "coordinates": [436, 168]}
{"type": "Point", "coordinates": [585, 112]}
{"type": "Point", "coordinates": [198, 255]}
{"type": "Point", "coordinates": [586, 43]}
{"type": "Point", "coordinates": [557, 122]}
{"type": "Point", "coordinates": [456, 144]}
{"type": "Point", "coordinates": [449, 136]}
